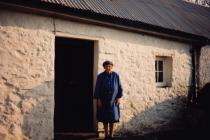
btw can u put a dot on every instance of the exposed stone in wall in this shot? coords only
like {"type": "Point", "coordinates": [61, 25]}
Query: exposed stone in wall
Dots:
{"type": "Point", "coordinates": [27, 73]}
{"type": "Point", "coordinates": [204, 70]}
{"type": "Point", "coordinates": [144, 107]}
{"type": "Point", "coordinates": [26, 83]}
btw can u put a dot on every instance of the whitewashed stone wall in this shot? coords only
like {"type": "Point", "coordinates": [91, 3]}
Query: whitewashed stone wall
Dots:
{"type": "Point", "coordinates": [204, 70]}
{"type": "Point", "coordinates": [144, 107]}
{"type": "Point", "coordinates": [27, 74]}
{"type": "Point", "coordinates": [26, 79]}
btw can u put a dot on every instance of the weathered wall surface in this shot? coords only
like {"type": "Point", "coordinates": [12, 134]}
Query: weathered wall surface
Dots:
{"type": "Point", "coordinates": [27, 73]}
{"type": "Point", "coordinates": [26, 79]}
{"type": "Point", "coordinates": [144, 106]}
{"type": "Point", "coordinates": [204, 70]}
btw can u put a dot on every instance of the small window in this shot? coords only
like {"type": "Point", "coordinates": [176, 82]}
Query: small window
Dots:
{"type": "Point", "coordinates": [163, 71]}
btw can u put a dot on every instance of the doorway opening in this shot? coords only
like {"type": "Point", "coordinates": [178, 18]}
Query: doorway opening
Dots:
{"type": "Point", "coordinates": [74, 60]}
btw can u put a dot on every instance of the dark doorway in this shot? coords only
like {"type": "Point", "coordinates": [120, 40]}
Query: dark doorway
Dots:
{"type": "Point", "coordinates": [73, 85]}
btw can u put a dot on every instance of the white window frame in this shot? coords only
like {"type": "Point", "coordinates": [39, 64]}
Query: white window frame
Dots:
{"type": "Point", "coordinates": [164, 83]}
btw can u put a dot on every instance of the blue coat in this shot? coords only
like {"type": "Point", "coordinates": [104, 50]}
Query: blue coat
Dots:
{"type": "Point", "coordinates": [108, 88]}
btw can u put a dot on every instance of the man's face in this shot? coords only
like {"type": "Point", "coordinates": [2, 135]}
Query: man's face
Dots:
{"type": "Point", "coordinates": [108, 68]}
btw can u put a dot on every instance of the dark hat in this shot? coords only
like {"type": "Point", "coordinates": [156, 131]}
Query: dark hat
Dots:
{"type": "Point", "coordinates": [107, 63]}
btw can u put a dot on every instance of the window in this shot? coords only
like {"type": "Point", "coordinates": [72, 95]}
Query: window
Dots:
{"type": "Point", "coordinates": [163, 71]}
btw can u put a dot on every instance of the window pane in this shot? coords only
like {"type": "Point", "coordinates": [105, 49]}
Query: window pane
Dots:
{"type": "Point", "coordinates": [155, 65]}
{"type": "Point", "coordinates": [160, 76]}
{"type": "Point", "coordinates": [160, 65]}
{"type": "Point", "coordinates": [163, 71]}
{"type": "Point", "coordinates": [156, 76]}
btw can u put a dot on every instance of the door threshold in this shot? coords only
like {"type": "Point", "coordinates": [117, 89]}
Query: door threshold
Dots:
{"type": "Point", "coordinates": [77, 133]}
{"type": "Point", "coordinates": [76, 136]}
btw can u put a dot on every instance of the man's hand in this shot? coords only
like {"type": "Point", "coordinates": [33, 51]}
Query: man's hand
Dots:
{"type": "Point", "coordinates": [117, 102]}
{"type": "Point", "coordinates": [99, 103]}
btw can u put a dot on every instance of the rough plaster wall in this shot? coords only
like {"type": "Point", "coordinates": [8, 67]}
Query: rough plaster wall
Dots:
{"type": "Point", "coordinates": [26, 83]}
{"type": "Point", "coordinates": [204, 66]}
{"type": "Point", "coordinates": [15, 19]}
{"type": "Point", "coordinates": [27, 67]}
{"type": "Point", "coordinates": [144, 107]}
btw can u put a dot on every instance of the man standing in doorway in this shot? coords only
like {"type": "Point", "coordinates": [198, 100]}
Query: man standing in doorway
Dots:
{"type": "Point", "coordinates": [108, 92]}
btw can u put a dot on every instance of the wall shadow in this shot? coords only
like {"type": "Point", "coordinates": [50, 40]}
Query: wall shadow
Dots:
{"type": "Point", "coordinates": [159, 122]}
{"type": "Point", "coordinates": [164, 115]}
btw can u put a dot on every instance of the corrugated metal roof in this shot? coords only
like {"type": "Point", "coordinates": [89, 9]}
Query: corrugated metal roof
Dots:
{"type": "Point", "coordinates": [171, 14]}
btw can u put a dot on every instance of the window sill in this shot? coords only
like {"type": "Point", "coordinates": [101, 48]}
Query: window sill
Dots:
{"type": "Point", "coordinates": [163, 86]}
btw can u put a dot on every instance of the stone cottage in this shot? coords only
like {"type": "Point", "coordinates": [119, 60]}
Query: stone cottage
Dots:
{"type": "Point", "coordinates": [52, 50]}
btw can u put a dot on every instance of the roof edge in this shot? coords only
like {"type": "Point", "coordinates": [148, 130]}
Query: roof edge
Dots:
{"type": "Point", "coordinates": [132, 26]}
